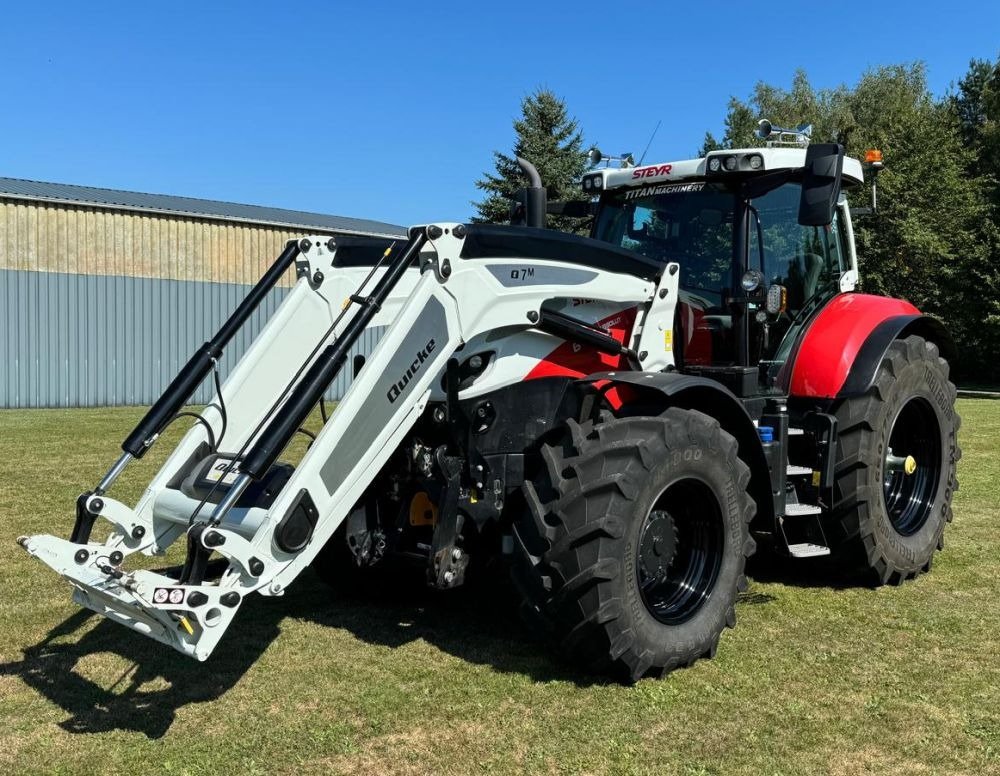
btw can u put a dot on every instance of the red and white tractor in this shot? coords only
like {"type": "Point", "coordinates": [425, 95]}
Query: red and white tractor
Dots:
{"type": "Point", "coordinates": [621, 418]}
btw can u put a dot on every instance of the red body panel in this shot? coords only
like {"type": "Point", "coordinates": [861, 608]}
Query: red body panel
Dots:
{"type": "Point", "coordinates": [833, 339]}
{"type": "Point", "coordinates": [573, 360]}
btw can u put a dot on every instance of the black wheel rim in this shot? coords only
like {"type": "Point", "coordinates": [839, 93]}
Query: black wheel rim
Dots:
{"type": "Point", "coordinates": [915, 438]}
{"type": "Point", "coordinates": [680, 551]}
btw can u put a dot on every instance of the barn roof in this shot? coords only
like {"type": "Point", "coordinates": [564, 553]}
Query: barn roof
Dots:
{"type": "Point", "coordinates": [67, 193]}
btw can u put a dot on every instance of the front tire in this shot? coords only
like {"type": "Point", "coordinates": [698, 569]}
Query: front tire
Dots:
{"type": "Point", "coordinates": [631, 552]}
{"type": "Point", "coordinates": [896, 466]}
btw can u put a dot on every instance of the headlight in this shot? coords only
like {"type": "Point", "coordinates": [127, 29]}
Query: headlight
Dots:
{"type": "Point", "coordinates": [751, 280]}
{"type": "Point", "coordinates": [714, 164]}
{"type": "Point", "coordinates": [756, 162]}
{"type": "Point", "coordinates": [730, 163]}
{"type": "Point", "coordinates": [598, 182]}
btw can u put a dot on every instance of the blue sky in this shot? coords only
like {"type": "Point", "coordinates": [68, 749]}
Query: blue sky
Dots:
{"type": "Point", "coordinates": [392, 110]}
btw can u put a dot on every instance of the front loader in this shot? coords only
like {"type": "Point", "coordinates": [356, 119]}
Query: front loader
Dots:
{"type": "Point", "coordinates": [620, 418]}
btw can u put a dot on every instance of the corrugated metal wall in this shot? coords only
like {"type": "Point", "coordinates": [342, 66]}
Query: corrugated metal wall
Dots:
{"type": "Point", "coordinates": [95, 340]}
{"type": "Point", "coordinates": [103, 307]}
{"type": "Point", "coordinates": [90, 241]}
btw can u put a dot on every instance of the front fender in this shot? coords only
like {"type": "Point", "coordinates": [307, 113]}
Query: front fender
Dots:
{"type": "Point", "coordinates": [654, 392]}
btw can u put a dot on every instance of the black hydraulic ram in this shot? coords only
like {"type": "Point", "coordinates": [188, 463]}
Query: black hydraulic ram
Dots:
{"type": "Point", "coordinates": [574, 330]}
{"type": "Point", "coordinates": [324, 369]}
{"type": "Point", "coordinates": [200, 364]}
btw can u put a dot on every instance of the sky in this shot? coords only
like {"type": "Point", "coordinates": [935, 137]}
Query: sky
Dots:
{"type": "Point", "coordinates": [391, 111]}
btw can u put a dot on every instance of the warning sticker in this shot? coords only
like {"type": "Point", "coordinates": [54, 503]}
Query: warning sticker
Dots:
{"type": "Point", "coordinates": [668, 340]}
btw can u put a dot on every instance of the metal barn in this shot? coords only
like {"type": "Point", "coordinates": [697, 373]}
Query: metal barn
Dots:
{"type": "Point", "coordinates": [105, 294]}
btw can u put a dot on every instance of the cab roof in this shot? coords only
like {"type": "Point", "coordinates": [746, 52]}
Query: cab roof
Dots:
{"type": "Point", "coordinates": [695, 169]}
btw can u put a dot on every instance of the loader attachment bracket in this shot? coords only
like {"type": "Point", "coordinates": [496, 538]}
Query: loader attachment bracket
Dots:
{"type": "Point", "coordinates": [447, 560]}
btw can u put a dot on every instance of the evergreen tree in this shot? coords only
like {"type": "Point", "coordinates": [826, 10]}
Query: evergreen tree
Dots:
{"type": "Point", "coordinates": [549, 139]}
{"type": "Point", "coordinates": [977, 108]}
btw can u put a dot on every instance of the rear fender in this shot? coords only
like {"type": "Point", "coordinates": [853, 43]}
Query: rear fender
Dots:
{"type": "Point", "coordinates": [654, 392]}
{"type": "Point", "coordinates": [840, 352]}
{"type": "Point", "coordinates": [865, 367]}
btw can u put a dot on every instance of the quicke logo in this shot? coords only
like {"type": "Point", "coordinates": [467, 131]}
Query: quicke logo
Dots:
{"type": "Point", "coordinates": [400, 385]}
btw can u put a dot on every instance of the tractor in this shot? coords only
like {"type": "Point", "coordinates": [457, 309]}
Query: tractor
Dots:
{"type": "Point", "coordinates": [620, 419]}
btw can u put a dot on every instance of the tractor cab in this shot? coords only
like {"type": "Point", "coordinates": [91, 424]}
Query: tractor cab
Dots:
{"type": "Point", "coordinates": [763, 239]}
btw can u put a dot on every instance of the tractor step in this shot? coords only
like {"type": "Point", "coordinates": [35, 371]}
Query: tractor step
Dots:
{"type": "Point", "coordinates": [801, 510]}
{"type": "Point", "coordinates": [807, 550]}
{"type": "Point", "coordinates": [798, 471]}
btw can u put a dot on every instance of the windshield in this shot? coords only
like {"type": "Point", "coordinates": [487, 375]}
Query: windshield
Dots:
{"type": "Point", "coordinates": [692, 224]}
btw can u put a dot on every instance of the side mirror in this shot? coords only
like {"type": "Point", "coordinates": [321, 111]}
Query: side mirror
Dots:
{"type": "Point", "coordinates": [820, 184]}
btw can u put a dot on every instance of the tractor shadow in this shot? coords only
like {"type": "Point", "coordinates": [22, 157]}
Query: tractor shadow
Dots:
{"type": "Point", "coordinates": [767, 566]}
{"type": "Point", "coordinates": [479, 624]}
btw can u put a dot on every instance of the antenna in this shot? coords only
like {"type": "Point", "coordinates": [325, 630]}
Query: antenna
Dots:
{"type": "Point", "coordinates": [655, 129]}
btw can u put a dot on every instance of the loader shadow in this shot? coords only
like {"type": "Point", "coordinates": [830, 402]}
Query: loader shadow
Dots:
{"type": "Point", "coordinates": [145, 697]}
{"type": "Point", "coordinates": [479, 625]}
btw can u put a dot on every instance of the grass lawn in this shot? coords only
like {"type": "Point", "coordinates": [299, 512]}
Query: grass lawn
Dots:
{"type": "Point", "coordinates": [814, 679]}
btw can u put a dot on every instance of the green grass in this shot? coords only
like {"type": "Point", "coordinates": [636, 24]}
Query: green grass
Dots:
{"type": "Point", "coordinates": [814, 679]}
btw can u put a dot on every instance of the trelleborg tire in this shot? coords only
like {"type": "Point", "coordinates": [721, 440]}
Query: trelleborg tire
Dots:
{"type": "Point", "coordinates": [896, 466]}
{"type": "Point", "coordinates": [632, 549]}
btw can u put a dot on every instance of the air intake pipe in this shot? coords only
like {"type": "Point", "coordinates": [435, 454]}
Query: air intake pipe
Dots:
{"type": "Point", "coordinates": [534, 199]}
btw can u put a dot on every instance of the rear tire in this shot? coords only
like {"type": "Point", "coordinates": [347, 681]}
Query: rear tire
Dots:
{"type": "Point", "coordinates": [632, 549]}
{"type": "Point", "coordinates": [889, 523]}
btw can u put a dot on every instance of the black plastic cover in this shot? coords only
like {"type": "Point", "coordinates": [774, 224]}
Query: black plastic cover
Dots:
{"type": "Point", "coordinates": [362, 251]}
{"type": "Point", "coordinates": [491, 241]}
{"type": "Point", "coordinates": [296, 528]}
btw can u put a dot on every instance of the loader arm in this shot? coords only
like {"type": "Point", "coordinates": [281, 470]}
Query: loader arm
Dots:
{"type": "Point", "coordinates": [427, 315]}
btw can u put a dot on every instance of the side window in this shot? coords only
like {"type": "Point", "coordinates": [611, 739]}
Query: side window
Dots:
{"type": "Point", "coordinates": [802, 258]}
{"type": "Point", "coordinates": [839, 261]}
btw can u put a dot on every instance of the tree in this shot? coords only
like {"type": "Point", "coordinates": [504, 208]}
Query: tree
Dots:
{"type": "Point", "coordinates": [551, 140]}
{"type": "Point", "coordinates": [976, 105]}
{"type": "Point", "coordinates": [825, 109]}
{"type": "Point", "coordinates": [930, 241]}
{"type": "Point", "coordinates": [976, 108]}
